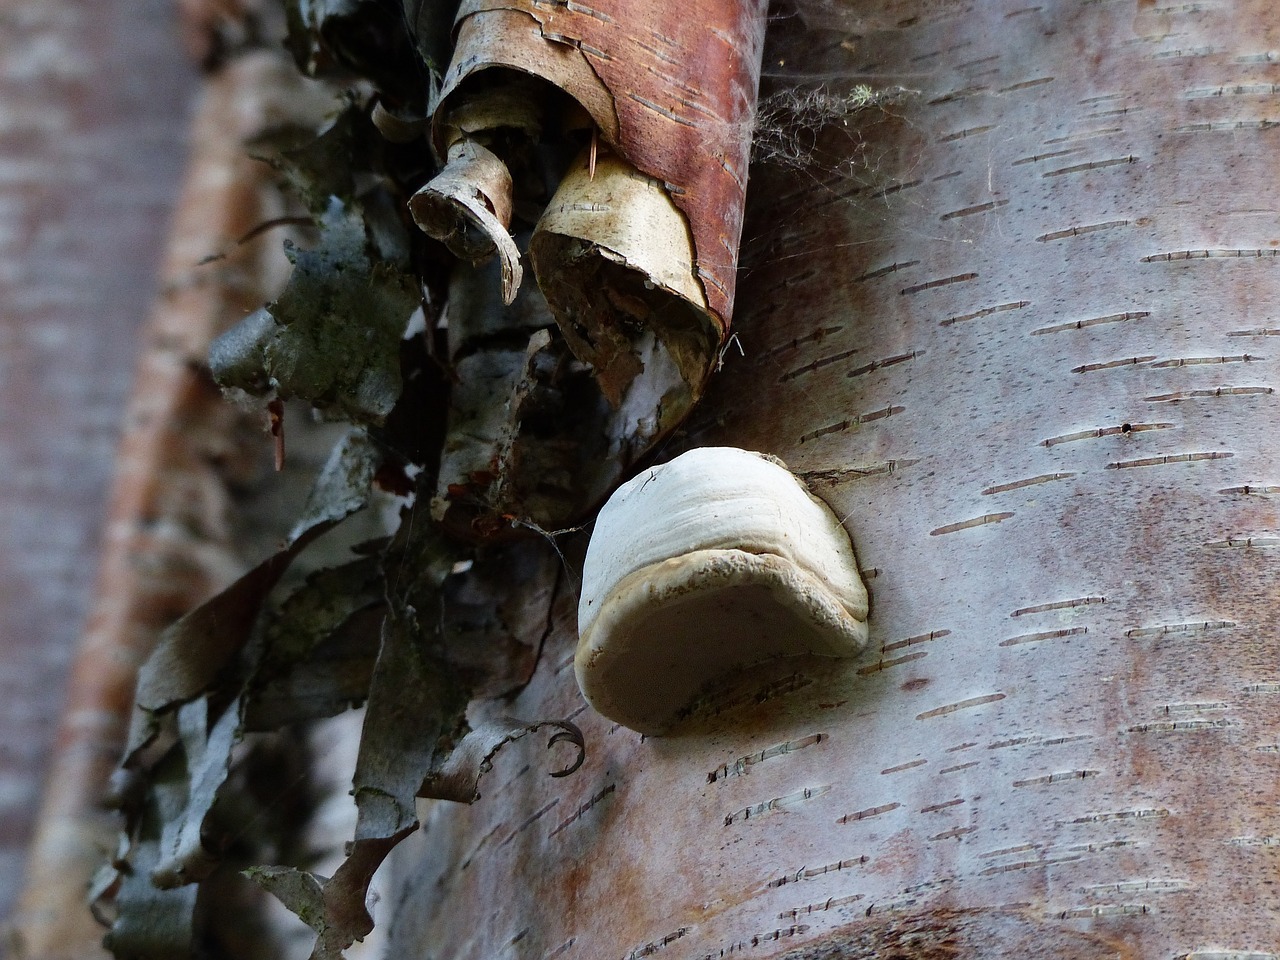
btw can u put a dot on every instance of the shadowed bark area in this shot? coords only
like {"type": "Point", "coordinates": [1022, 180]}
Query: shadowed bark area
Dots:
{"type": "Point", "coordinates": [1025, 355]}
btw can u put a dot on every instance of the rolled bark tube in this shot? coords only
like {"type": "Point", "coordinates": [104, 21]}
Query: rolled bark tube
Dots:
{"type": "Point", "coordinates": [717, 560]}
{"type": "Point", "coordinates": [468, 206]}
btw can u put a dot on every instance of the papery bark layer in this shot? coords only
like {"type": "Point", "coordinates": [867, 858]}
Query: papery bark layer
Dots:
{"type": "Point", "coordinates": [670, 89]}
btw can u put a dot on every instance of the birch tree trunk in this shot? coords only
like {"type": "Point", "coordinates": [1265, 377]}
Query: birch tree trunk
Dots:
{"type": "Point", "coordinates": [1026, 354]}
{"type": "Point", "coordinates": [89, 158]}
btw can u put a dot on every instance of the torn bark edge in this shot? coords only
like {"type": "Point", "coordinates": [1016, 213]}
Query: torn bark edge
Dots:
{"type": "Point", "coordinates": [467, 207]}
{"type": "Point", "coordinates": [139, 588]}
{"type": "Point", "coordinates": [475, 466]}
{"type": "Point", "coordinates": [190, 655]}
{"type": "Point", "coordinates": [614, 258]}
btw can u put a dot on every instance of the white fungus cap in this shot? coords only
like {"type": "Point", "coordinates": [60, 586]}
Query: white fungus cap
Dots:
{"type": "Point", "coordinates": [716, 560]}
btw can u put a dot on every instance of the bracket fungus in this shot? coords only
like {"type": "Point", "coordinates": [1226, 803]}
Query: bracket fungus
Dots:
{"type": "Point", "coordinates": [719, 559]}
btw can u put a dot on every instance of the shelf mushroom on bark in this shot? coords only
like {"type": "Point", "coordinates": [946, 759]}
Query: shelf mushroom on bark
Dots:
{"type": "Point", "coordinates": [717, 560]}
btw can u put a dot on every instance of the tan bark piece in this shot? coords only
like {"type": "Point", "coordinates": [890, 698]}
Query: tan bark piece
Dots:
{"type": "Point", "coordinates": [467, 207]}
{"type": "Point", "coordinates": [614, 258]}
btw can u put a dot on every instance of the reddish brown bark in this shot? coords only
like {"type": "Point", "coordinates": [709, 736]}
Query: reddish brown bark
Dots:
{"type": "Point", "coordinates": [168, 541]}
{"type": "Point", "coordinates": [671, 87]}
{"type": "Point", "coordinates": [1025, 355]}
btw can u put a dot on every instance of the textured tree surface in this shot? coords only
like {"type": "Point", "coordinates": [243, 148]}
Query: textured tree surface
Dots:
{"type": "Point", "coordinates": [186, 468]}
{"type": "Point", "coordinates": [93, 103]}
{"type": "Point", "coordinates": [1026, 353]}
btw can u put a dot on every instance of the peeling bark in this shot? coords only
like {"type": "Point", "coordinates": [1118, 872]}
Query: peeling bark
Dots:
{"type": "Point", "coordinates": [532, 443]}
{"type": "Point", "coordinates": [468, 208]}
{"type": "Point", "coordinates": [637, 250]}
{"type": "Point", "coordinates": [411, 744]}
{"type": "Point", "coordinates": [670, 86]}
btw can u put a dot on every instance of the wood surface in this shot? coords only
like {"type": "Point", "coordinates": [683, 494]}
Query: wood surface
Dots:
{"type": "Point", "coordinates": [1020, 346]}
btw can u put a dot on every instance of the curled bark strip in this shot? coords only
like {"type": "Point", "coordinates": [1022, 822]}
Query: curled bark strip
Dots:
{"type": "Point", "coordinates": [483, 482]}
{"type": "Point", "coordinates": [637, 251]}
{"type": "Point", "coordinates": [343, 485]}
{"type": "Point", "coordinates": [395, 127]}
{"type": "Point", "coordinates": [501, 112]}
{"type": "Point", "coordinates": [318, 648]}
{"type": "Point", "coordinates": [671, 85]}
{"type": "Point", "coordinates": [306, 344]}
{"type": "Point", "coordinates": [414, 706]}
{"type": "Point", "coordinates": [573, 736]}
{"type": "Point", "coordinates": [616, 262]}
{"type": "Point", "coordinates": [192, 653]}
{"type": "Point", "coordinates": [410, 742]}
{"type": "Point", "coordinates": [467, 207]}
{"type": "Point", "coordinates": [458, 778]}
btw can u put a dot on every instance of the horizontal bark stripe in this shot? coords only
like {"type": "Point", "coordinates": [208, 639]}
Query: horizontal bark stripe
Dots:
{"type": "Point", "coordinates": [960, 705]}
{"type": "Point", "coordinates": [969, 524]}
